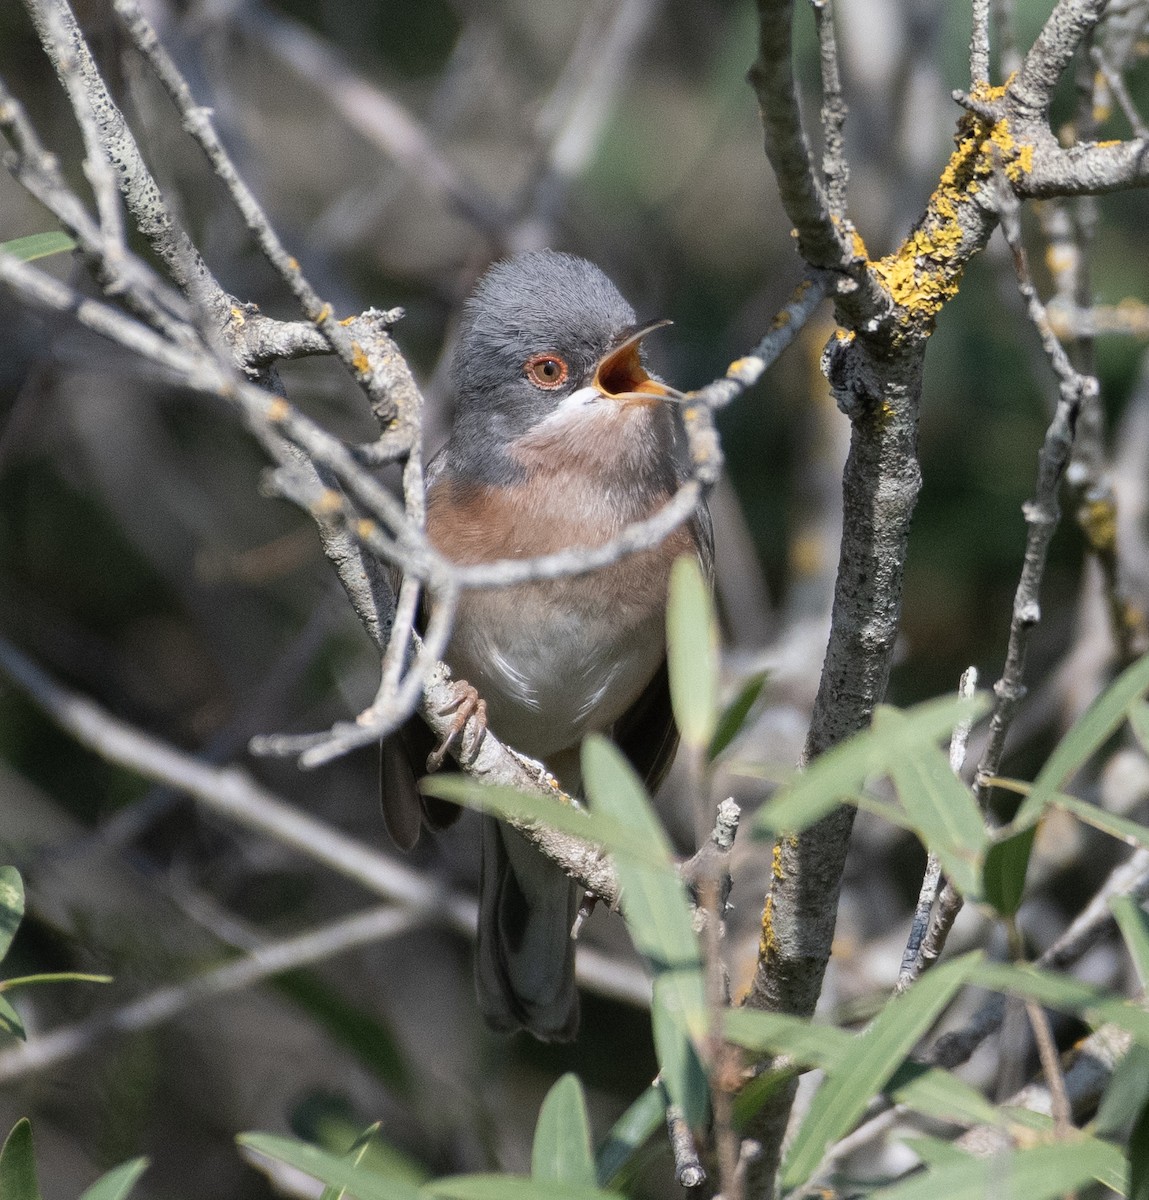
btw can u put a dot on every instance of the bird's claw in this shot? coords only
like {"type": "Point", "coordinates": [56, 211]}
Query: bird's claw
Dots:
{"type": "Point", "coordinates": [466, 704]}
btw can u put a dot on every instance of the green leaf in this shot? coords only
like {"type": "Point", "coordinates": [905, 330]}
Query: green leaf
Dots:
{"type": "Point", "coordinates": [654, 901]}
{"type": "Point", "coordinates": [561, 1150]}
{"type": "Point", "coordinates": [840, 772]}
{"type": "Point", "coordinates": [1131, 832]}
{"type": "Point", "coordinates": [53, 977]}
{"type": "Point", "coordinates": [1068, 995]}
{"type": "Point", "coordinates": [599, 828]}
{"type": "Point", "coordinates": [38, 245]}
{"type": "Point", "coordinates": [1040, 1173]}
{"type": "Point", "coordinates": [1139, 722]}
{"type": "Point", "coordinates": [940, 807]}
{"type": "Point", "coordinates": [330, 1169]}
{"type": "Point", "coordinates": [1004, 870]}
{"type": "Point", "coordinates": [353, 1157]}
{"type": "Point", "coordinates": [630, 1133]}
{"type": "Point", "coordinates": [678, 997]}
{"type": "Point", "coordinates": [692, 652]}
{"type": "Point", "coordinates": [18, 1164]}
{"type": "Point", "coordinates": [941, 1095]}
{"type": "Point", "coordinates": [510, 1187]}
{"type": "Point", "coordinates": [10, 1020]}
{"type": "Point", "coordinates": [935, 1152]}
{"type": "Point", "coordinates": [1134, 926]}
{"type": "Point", "coordinates": [11, 906]}
{"type": "Point", "coordinates": [778, 1033]}
{"type": "Point", "coordinates": [735, 713]}
{"type": "Point", "coordinates": [658, 916]}
{"type": "Point", "coordinates": [1091, 730]}
{"type": "Point", "coordinates": [873, 1058]}
{"type": "Point", "coordinates": [118, 1182]}
{"type": "Point", "coordinates": [1126, 1095]}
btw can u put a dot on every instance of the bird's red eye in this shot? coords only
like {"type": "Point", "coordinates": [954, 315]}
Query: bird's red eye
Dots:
{"type": "Point", "coordinates": [546, 370]}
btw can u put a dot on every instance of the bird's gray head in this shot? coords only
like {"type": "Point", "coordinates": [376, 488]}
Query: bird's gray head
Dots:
{"type": "Point", "coordinates": [542, 330]}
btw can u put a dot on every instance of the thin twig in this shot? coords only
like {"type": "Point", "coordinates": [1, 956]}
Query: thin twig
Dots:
{"type": "Point", "coordinates": [835, 166]}
{"type": "Point", "coordinates": [1042, 513]}
{"type": "Point", "coordinates": [1116, 84]}
{"type": "Point", "coordinates": [688, 1169]}
{"type": "Point", "coordinates": [979, 45]}
{"type": "Point", "coordinates": [1050, 1067]}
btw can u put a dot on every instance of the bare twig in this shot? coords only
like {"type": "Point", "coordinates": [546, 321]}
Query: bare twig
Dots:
{"type": "Point", "coordinates": [979, 44]}
{"type": "Point", "coordinates": [688, 1169]}
{"type": "Point", "coordinates": [1116, 84]}
{"type": "Point", "coordinates": [1042, 513]}
{"type": "Point", "coordinates": [835, 167]}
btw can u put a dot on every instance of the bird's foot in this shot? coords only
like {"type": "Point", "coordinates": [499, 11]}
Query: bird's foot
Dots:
{"type": "Point", "coordinates": [466, 704]}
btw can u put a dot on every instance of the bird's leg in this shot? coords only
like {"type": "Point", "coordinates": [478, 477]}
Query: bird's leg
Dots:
{"type": "Point", "coordinates": [465, 704]}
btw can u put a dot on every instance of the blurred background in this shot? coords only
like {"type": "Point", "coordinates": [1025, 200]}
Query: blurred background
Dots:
{"type": "Point", "coordinates": [399, 148]}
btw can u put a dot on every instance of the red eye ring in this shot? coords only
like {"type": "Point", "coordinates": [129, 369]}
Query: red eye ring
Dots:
{"type": "Point", "coordinates": [547, 371]}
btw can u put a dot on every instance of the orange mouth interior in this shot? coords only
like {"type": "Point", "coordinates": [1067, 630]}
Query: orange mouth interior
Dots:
{"type": "Point", "coordinates": [621, 376]}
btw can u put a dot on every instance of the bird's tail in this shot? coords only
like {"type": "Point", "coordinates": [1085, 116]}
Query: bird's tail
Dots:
{"type": "Point", "coordinates": [524, 969]}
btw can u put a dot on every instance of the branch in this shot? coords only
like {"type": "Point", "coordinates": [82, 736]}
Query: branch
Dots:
{"type": "Point", "coordinates": [231, 794]}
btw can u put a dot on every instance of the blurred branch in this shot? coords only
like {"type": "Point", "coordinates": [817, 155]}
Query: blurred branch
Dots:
{"type": "Point", "coordinates": [230, 793]}
{"type": "Point", "coordinates": [165, 1003]}
{"type": "Point", "coordinates": [373, 113]}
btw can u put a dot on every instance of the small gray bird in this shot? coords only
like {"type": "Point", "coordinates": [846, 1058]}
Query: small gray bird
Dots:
{"type": "Point", "coordinates": [561, 438]}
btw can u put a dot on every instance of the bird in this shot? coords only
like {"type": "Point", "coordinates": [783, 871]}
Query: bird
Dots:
{"type": "Point", "coordinates": [560, 439]}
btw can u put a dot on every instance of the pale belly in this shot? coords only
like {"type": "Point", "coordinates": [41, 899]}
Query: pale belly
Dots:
{"type": "Point", "coordinates": [552, 673]}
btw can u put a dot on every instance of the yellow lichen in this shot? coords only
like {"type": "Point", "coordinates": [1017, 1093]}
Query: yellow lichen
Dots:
{"type": "Point", "coordinates": [1098, 519]}
{"type": "Point", "coordinates": [767, 941]}
{"type": "Point", "coordinates": [348, 321]}
{"type": "Point", "coordinates": [359, 359]}
{"type": "Point", "coordinates": [365, 528]}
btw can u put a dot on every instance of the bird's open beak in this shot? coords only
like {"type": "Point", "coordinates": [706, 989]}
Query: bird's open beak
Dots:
{"type": "Point", "coordinates": [620, 375]}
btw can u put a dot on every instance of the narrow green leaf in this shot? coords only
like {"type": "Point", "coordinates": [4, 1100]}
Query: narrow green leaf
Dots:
{"type": "Point", "coordinates": [1126, 1095]}
{"type": "Point", "coordinates": [330, 1169]}
{"type": "Point", "coordinates": [941, 1095]}
{"type": "Point", "coordinates": [353, 1157]}
{"type": "Point", "coordinates": [840, 772]}
{"type": "Point", "coordinates": [749, 1101]}
{"type": "Point", "coordinates": [38, 245]}
{"type": "Point", "coordinates": [940, 807]}
{"type": "Point", "coordinates": [658, 917]}
{"type": "Point", "coordinates": [1139, 722]}
{"type": "Point", "coordinates": [692, 652]}
{"type": "Point", "coordinates": [18, 1164]}
{"type": "Point", "coordinates": [11, 906]}
{"type": "Point", "coordinates": [654, 899]}
{"type": "Point", "coordinates": [679, 1067]}
{"type": "Point", "coordinates": [1134, 926]}
{"type": "Point", "coordinates": [10, 1020]}
{"type": "Point", "coordinates": [52, 977]}
{"type": "Point", "coordinates": [1133, 833]}
{"type": "Point", "coordinates": [735, 713]}
{"type": "Point", "coordinates": [1004, 870]}
{"type": "Point", "coordinates": [561, 1150]}
{"type": "Point", "coordinates": [510, 1187]}
{"type": "Point", "coordinates": [873, 1058]}
{"type": "Point", "coordinates": [1065, 994]}
{"type": "Point", "coordinates": [810, 1045]}
{"type": "Point", "coordinates": [629, 1134]}
{"type": "Point", "coordinates": [118, 1182]}
{"type": "Point", "coordinates": [1039, 1173]}
{"type": "Point", "coordinates": [599, 828]}
{"type": "Point", "coordinates": [1088, 734]}
{"type": "Point", "coordinates": [934, 1152]}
